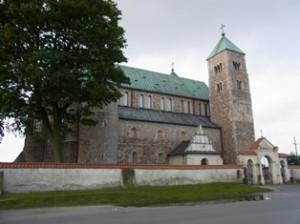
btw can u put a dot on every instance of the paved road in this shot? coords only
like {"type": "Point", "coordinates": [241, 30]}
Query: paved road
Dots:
{"type": "Point", "coordinates": [282, 207]}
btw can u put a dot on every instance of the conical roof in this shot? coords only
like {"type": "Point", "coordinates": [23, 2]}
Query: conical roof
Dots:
{"type": "Point", "coordinates": [224, 44]}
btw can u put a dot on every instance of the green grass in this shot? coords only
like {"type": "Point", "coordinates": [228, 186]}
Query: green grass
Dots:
{"type": "Point", "coordinates": [131, 196]}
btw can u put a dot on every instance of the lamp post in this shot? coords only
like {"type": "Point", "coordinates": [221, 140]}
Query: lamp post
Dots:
{"type": "Point", "coordinates": [296, 151]}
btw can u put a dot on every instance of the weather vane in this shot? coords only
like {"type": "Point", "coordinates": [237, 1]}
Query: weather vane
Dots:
{"type": "Point", "coordinates": [222, 28]}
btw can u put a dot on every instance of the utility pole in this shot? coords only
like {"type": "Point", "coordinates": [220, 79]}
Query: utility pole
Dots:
{"type": "Point", "coordinates": [296, 151]}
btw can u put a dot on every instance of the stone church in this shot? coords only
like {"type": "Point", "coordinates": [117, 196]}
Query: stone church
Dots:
{"type": "Point", "coordinates": [165, 118]}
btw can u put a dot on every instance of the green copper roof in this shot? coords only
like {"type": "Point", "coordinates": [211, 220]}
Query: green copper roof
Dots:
{"type": "Point", "coordinates": [172, 84]}
{"type": "Point", "coordinates": [224, 44]}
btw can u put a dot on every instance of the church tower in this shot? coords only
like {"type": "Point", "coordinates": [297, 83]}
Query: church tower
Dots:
{"type": "Point", "coordinates": [230, 98]}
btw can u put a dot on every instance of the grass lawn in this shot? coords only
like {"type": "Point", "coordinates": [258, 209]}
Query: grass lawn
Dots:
{"type": "Point", "coordinates": [147, 195]}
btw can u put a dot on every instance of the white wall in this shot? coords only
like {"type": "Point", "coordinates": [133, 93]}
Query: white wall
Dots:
{"type": "Point", "coordinates": [16, 180]}
{"type": "Point", "coordinates": [32, 180]}
{"type": "Point", "coordinates": [185, 176]}
{"type": "Point", "coordinates": [295, 172]}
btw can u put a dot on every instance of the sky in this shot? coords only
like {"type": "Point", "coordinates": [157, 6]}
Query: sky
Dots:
{"type": "Point", "coordinates": [184, 32]}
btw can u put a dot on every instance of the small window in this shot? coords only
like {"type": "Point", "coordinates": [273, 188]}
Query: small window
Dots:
{"type": "Point", "coordinates": [184, 136]}
{"type": "Point", "coordinates": [170, 105]}
{"type": "Point", "coordinates": [134, 157]}
{"type": "Point", "coordinates": [149, 102]}
{"type": "Point", "coordinates": [141, 101]}
{"type": "Point", "coordinates": [161, 135]}
{"type": "Point", "coordinates": [125, 98]}
{"type": "Point", "coordinates": [206, 109]}
{"type": "Point", "coordinates": [204, 161]}
{"type": "Point", "coordinates": [182, 106]}
{"type": "Point", "coordinates": [218, 68]}
{"type": "Point", "coordinates": [162, 103]}
{"type": "Point", "coordinates": [200, 109]}
{"type": "Point", "coordinates": [133, 132]}
{"type": "Point", "coordinates": [236, 65]}
{"type": "Point", "coordinates": [104, 123]}
{"type": "Point", "coordinates": [189, 107]}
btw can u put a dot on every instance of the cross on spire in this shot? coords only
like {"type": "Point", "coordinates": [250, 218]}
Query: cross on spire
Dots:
{"type": "Point", "coordinates": [172, 64]}
{"type": "Point", "coordinates": [222, 28]}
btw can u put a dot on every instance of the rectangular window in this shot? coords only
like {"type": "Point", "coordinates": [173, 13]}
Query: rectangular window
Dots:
{"type": "Point", "coordinates": [169, 105]}
{"type": "Point", "coordinates": [162, 103]}
{"type": "Point", "coordinates": [149, 102]}
{"type": "Point", "coordinates": [141, 101]}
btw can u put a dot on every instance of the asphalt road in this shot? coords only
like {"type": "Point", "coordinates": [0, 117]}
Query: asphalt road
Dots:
{"type": "Point", "coordinates": [281, 207]}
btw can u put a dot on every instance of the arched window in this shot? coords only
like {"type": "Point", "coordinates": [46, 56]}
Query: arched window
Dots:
{"type": "Point", "coordinates": [236, 65]}
{"type": "Point", "coordinates": [125, 97]}
{"type": "Point", "coordinates": [206, 110]}
{"type": "Point", "coordinates": [184, 136]}
{"type": "Point", "coordinates": [149, 102]}
{"type": "Point", "coordinates": [218, 68]}
{"type": "Point", "coordinates": [239, 84]}
{"type": "Point", "coordinates": [170, 105]}
{"type": "Point", "coordinates": [162, 103]}
{"type": "Point", "coordinates": [161, 135]}
{"type": "Point", "coordinates": [104, 123]}
{"type": "Point", "coordinates": [200, 109]}
{"type": "Point", "coordinates": [141, 101]}
{"type": "Point", "coordinates": [182, 106]}
{"type": "Point", "coordinates": [220, 86]}
{"type": "Point", "coordinates": [189, 107]}
{"type": "Point", "coordinates": [204, 161]}
{"type": "Point", "coordinates": [134, 157]}
{"type": "Point", "coordinates": [133, 132]}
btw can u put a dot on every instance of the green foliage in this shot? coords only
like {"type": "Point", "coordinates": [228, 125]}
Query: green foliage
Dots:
{"type": "Point", "coordinates": [55, 54]}
{"type": "Point", "coordinates": [293, 159]}
{"type": "Point", "coordinates": [132, 196]}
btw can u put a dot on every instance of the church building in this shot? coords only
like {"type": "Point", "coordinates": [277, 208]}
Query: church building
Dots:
{"type": "Point", "coordinates": [168, 119]}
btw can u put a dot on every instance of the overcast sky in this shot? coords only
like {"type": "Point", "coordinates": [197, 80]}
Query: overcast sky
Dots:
{"type": "Point", "coordinates": [160, 32]}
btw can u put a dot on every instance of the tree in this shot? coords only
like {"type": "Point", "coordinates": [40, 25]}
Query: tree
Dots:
{"type": "Point", "coordinates": [55, 54]}
{"type": "Point", "coordinates": [293, 159]}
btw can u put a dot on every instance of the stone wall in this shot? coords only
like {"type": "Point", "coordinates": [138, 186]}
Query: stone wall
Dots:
{"type": "Point", "coordinates": [230, 102]}
{"type": "Point", "coordinates": [152, 142]}
{"type": "Point", "coordinates": [98, 144]}
{"type": "Point", "coordinates": [35, 177]}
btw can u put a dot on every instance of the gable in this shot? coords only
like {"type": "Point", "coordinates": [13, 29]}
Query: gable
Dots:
{"type": "Point", "coordinates": [262, 143]}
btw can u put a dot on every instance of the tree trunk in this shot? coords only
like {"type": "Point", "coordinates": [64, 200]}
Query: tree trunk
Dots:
{"type": "Point", "coordinates": [57, 147]}
{"type": "Point", "coordinates": [57, 136]}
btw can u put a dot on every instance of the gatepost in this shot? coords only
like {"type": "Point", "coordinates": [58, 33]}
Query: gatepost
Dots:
{"type": "Point", "coordinates": [1, 182]}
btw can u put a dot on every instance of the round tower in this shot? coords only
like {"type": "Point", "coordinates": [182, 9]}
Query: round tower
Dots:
{"type": "Point", "coordinates": [230, 98]}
